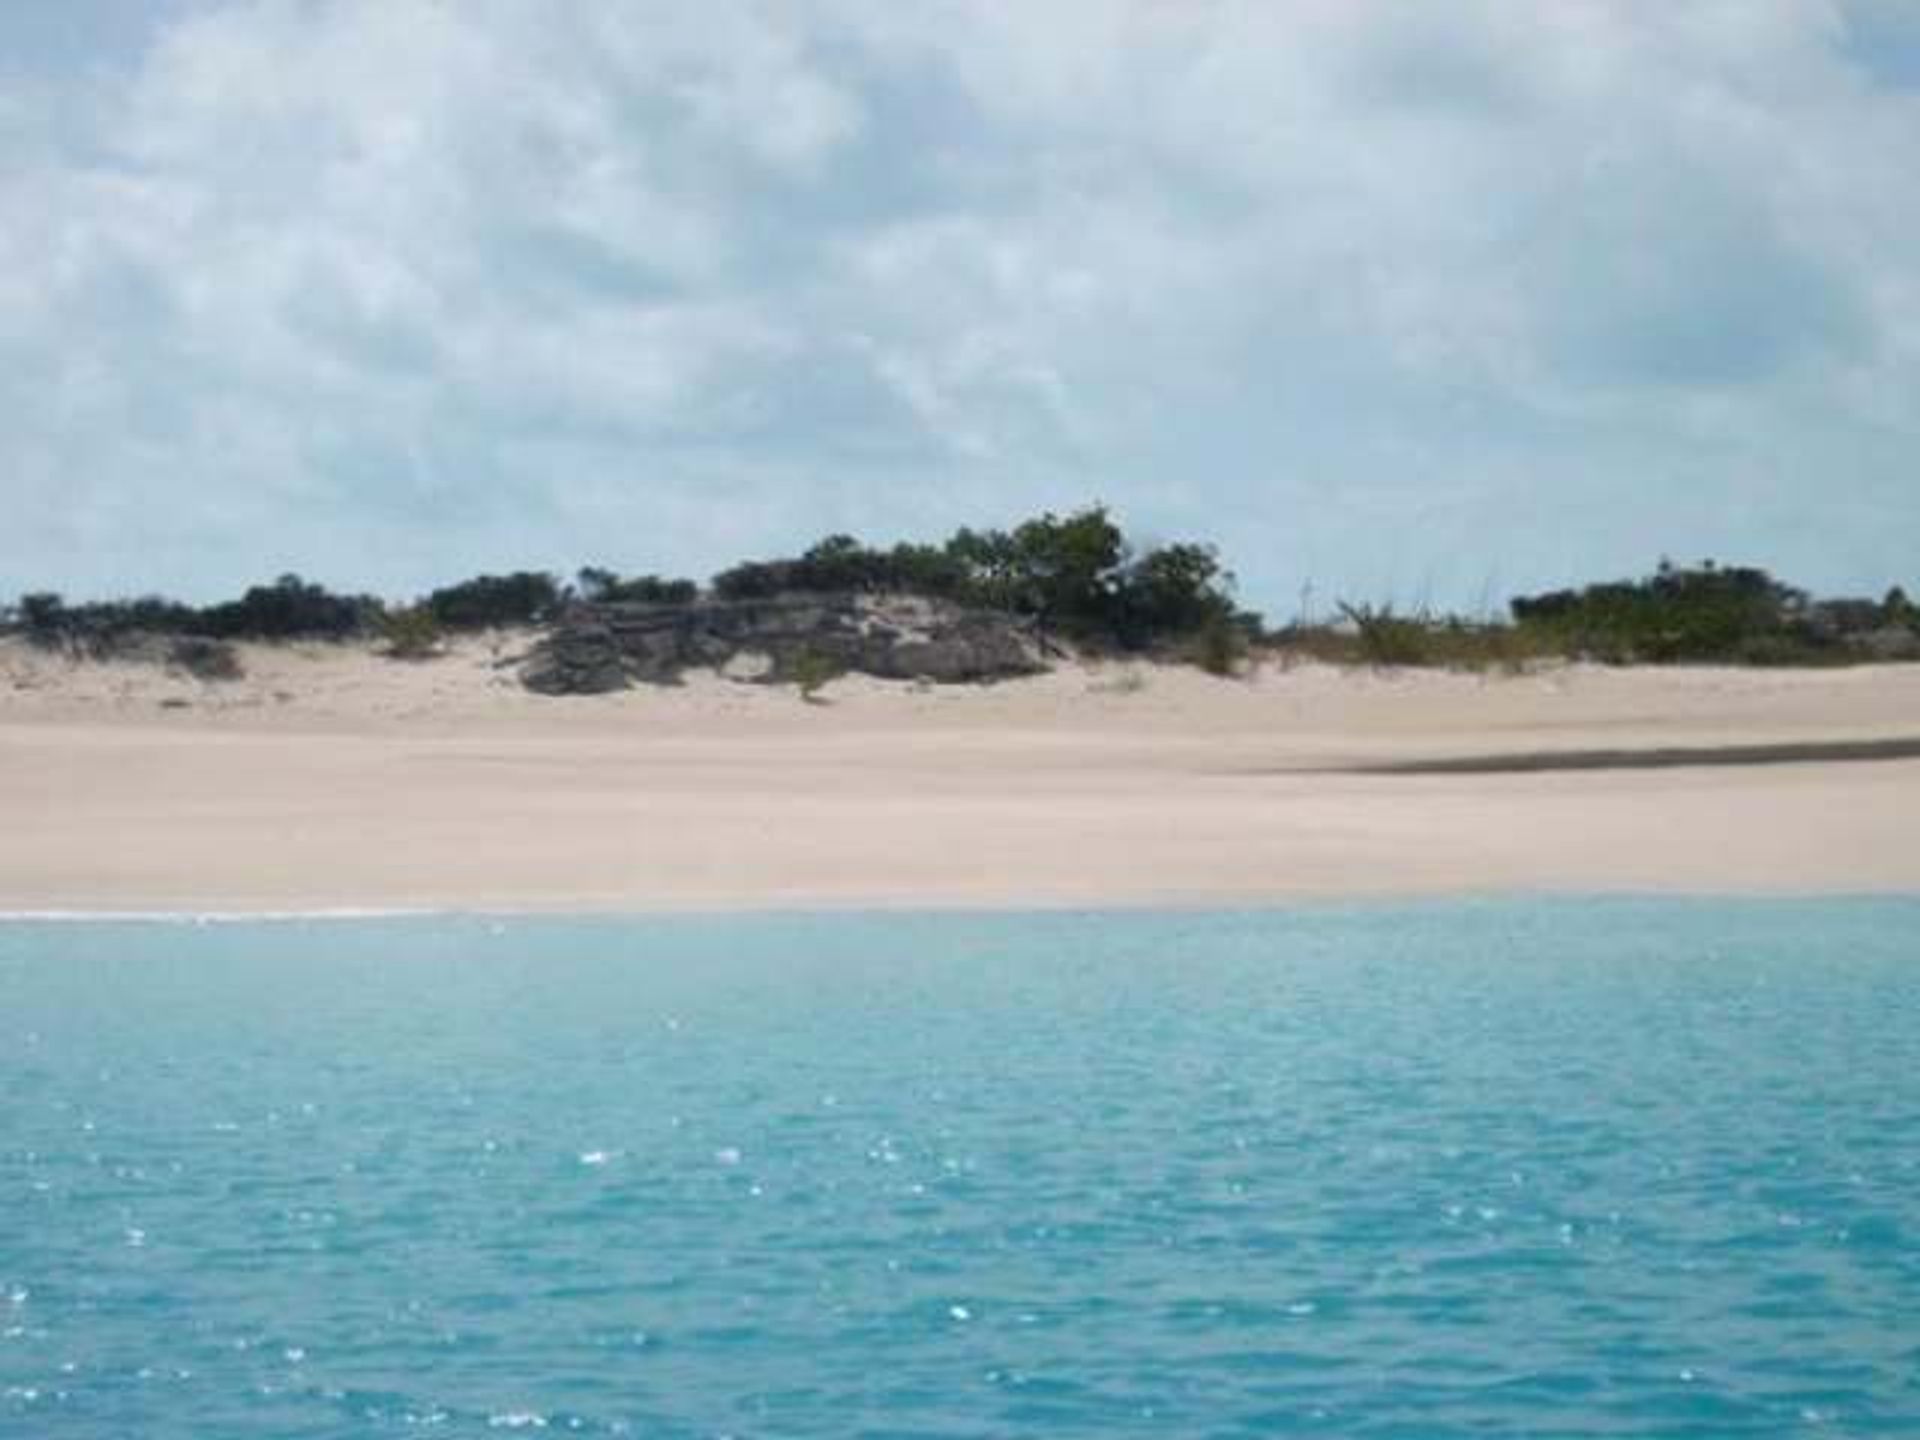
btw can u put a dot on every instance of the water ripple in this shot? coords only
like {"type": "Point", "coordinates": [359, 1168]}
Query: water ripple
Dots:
{"type": "Point", "coordinates": [1558, 1169]}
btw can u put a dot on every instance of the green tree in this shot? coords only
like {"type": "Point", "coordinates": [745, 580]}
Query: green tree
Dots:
{"type": "Point", "coordinates": [43, 614]}
{"type": "Point", "coordinates": [524, 597]}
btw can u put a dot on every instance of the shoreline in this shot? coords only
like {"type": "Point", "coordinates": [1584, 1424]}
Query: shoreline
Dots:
{"type": "Point", "coordinates": [908, 909]}
{"type": "Point", "coordinates": [338, 781]}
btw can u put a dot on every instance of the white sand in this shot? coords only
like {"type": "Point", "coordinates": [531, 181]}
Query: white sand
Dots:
{"type": "Point", "coordinates": [333, 778]}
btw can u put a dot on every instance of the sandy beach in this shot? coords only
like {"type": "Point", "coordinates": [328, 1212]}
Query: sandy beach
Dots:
{"type": "Point", "coordinates": [333, 778]}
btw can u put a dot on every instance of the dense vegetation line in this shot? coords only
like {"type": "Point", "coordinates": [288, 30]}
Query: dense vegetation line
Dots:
{"type": "Point", "coordinates": [1075, 578]}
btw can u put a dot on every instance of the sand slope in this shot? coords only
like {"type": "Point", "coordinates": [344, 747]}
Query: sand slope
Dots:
{"type": "Point", "coordinates": [335, 778]}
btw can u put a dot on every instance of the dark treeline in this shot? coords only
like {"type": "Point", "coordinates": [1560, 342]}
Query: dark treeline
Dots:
{"type": "Point", "coordinates": [1078, 578]}
{"type": "Point", "coordinates": [1702, 613]}
{"type": "Point", "coordinates": [1707, 612]}
{"type": "Point", "coordinates": [295, 609]}
{"type": "Point", "coordinates": [289, 608]}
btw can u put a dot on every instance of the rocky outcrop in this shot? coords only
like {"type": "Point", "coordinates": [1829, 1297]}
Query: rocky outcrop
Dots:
{"type": "Point", "coordinates": [597, 648]}
{"type": "Point", "coordinates": [1886, 643]}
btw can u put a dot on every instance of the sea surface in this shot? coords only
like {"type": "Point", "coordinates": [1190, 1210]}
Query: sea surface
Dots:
{"type": "Point", "coordinates": [1533, 1169]}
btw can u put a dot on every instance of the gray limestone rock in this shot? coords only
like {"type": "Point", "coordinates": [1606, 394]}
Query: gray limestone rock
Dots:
{"type": "Point", "coordinates": [595, 648]}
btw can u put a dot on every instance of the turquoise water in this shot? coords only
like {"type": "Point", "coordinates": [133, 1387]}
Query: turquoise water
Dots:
{"type": "Point", "coordinates": [1610, 1168]}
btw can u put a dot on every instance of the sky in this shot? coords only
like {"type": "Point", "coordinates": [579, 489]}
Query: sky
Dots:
{"type": "Point", "coordinates": [1395, 300]}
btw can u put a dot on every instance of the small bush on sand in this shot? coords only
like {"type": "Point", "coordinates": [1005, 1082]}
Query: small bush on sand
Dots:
{"type": "Point", "coordinates": [205, 659]}
{"type": "Point", "coordinates": [1219, 647]}
{"type": "Point", "coordinates": [1384, 638]}
{"type": "Point", "coordinates": [1387, 638]}
{"type": "Point", "coordinates": [410, 633]}
{"type": "Point", "coordinates": [812, 672]}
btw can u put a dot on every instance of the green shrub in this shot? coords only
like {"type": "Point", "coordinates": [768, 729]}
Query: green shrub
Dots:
{"type": "Point", "coordinates": [1220, 647]}
{"type": "Point", "coordinates": [609, 587]}
{"type": "Point", "coordinates": [204, 659]}
{"type": "Point", "coordinates": [1676, 614]}
{"type": "Point", "coordinates": [1380, 636]}
{"type": "Point", "coordinates": [812, 672]}
{"type": "Point", "coordinates": [410, 632]}
{"type": "Point", "coordinates": [525, 597]}
{"type": "Point", "coordinates": [1073, 575]}
{"type": "Point", "coordinates": [43, 617]}
{"type": "Point", "coordinates": [1386, 638]}
{"type": "Point", "coordinates": [290, 608]}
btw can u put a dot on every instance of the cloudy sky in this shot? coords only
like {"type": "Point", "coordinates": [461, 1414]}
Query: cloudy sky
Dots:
{"type": "Point", "coordinates": [1417, 301]}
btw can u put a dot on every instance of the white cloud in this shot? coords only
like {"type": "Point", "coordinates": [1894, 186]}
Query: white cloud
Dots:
{"type": "Point", "coordinates": [385, 289]}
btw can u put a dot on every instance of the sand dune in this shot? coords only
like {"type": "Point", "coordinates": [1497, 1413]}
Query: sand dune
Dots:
{"type": "Point", "coordinates": [335, 778]}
